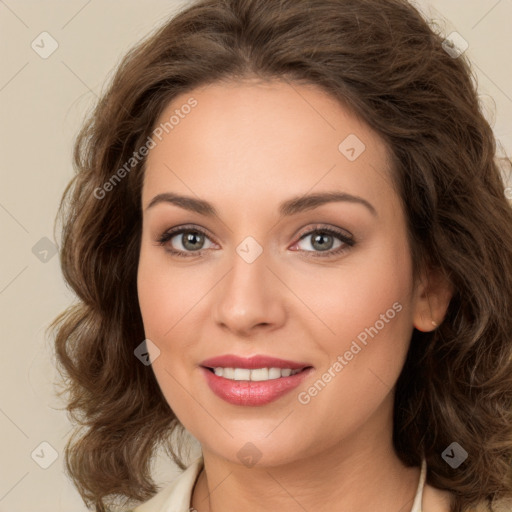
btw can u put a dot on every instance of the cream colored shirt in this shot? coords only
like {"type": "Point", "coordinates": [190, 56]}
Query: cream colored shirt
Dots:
{"type": "Point", "coordinates": [176, 497]}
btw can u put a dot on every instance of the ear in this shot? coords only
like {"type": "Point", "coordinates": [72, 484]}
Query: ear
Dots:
{"type": "Point", "coordinates": [431, 299]}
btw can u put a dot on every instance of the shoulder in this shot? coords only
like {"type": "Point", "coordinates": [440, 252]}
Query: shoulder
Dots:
{"type": "Point", "coordinates": [437, 500]}
{"type": "Point", "coordinates": [501, 505]}
{"type": "Point", "coordinates": [177, 494]}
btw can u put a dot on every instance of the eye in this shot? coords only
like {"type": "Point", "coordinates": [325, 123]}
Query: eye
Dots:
{"type": "Point", "coordinates": [325, 241]}
{"type": "Point", "coordinates": [189, 241]}
{"type": "Point", "coordinates": [184, 241]}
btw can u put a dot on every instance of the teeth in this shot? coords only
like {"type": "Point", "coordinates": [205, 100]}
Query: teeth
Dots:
{"type": "Point", "coordinates": [257, 374]}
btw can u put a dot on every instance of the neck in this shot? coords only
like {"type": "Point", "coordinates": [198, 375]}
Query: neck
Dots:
{"type": "Point", "coordinates": [361, 473]}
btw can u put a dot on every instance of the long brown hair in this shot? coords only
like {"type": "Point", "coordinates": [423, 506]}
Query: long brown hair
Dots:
{"type": "Point", "coordinates": [382, 59]}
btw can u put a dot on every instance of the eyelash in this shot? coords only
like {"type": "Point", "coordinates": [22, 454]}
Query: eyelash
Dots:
{"type": "Point", "coordinates": [348, 241]}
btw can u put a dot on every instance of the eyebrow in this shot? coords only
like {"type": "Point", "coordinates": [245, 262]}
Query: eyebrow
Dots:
{"type": "Point", "coordinates": [287, 208]}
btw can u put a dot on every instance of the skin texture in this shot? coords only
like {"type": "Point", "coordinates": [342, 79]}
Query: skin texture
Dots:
{"type": "Point", "coordinates": [245, 148]}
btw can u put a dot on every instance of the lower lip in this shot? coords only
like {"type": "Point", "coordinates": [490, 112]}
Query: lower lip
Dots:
{"type": "Point", "coordinates": [244, 392]}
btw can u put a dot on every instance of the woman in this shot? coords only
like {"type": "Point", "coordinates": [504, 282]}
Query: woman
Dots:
{"type": "Point", "coordinates": [289, 236]}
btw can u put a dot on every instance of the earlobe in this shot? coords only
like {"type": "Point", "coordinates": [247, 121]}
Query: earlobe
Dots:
{"type": "Point", "coordinates": [432, 299]}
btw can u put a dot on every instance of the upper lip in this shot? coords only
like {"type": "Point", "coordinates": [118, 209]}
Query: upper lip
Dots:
{"type": "Point", "coordinates": [257, 361]}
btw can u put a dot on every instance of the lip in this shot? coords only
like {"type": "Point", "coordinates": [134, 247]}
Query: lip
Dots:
{"type": "Point", "coordinates": [253, 393]}
{"type": "Point", "coordinates": [256, 361]}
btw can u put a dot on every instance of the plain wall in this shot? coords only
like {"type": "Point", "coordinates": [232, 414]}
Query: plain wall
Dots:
{"type": "Point", "coordinates": [42, 103]}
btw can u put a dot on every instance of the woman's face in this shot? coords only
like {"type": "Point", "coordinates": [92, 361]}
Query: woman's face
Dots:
{"type": "Point", "coordinates": [266, 279]}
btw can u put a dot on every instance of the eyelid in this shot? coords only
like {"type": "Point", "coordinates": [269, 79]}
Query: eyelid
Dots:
{"type": "Point", "coordinates": [324, 228]}
{"type": "Point", "coordinates": [344, 236]}
{"type": "Point", "coordinates": [176, 230]}
{"type": "Point", "coordinates": [165, 237]}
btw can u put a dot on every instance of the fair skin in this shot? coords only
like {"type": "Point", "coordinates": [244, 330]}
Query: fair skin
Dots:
{"type": "Point", "coordinates": [245, 148]}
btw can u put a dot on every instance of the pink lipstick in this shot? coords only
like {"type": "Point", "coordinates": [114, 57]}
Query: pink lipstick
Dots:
{"type": "Point", "coordinates": [253, 381]}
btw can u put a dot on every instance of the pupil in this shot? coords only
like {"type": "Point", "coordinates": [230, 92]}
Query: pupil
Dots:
{"type": "Point", "coordinates": [322, 237]}
{"type": "Point", "coordinates": [191, 238]}
{"type": "Point", "coordinates": [319, 241]}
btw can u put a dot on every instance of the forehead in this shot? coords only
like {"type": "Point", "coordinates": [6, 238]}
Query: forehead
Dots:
{"type": "Point", "coordinates": [257, 140]}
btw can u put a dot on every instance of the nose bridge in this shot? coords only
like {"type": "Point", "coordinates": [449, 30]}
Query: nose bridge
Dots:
{"type": "Point", "coordinates": [247, 297]}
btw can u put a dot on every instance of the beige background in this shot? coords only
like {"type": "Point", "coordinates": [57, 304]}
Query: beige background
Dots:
{"type": "Point", "coordinates": [42, 103]}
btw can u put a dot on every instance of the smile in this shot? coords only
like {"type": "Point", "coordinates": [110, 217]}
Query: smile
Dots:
{"type": "Point", "coordinates": [256, 374]}
{"type": "Point", "coordinates": [240, 386]}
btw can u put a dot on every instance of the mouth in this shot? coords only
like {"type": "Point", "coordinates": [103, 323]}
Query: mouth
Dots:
{"type": "Point", "coordinates": [254, 386]}
{"type": "Point", "coordinates": [255, 374]}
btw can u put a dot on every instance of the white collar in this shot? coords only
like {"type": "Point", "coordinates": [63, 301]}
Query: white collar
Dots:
{"type": "Point", "coordinates": [417, 504]}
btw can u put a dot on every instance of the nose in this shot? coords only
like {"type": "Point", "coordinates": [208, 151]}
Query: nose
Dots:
{"type": "Point", "coordinates": [249, 298]}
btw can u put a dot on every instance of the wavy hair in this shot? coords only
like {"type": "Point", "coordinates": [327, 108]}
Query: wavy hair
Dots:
{"type": "Point", "coordinates": [386, 62]}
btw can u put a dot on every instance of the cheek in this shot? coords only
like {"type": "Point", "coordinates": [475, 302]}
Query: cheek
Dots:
{"type": "Point", "coordinates": [366, 306]}
{"type": "Point", "coordinates": [165, 294]}
{"type": "Point", "coordinates": [165, 299]}
{"type": "Point", "coordinates": [377, 321]}
{"type": "Point", "coordinates": [351, 296]}
{"type": "Point", "coordinates": [153, 300]}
